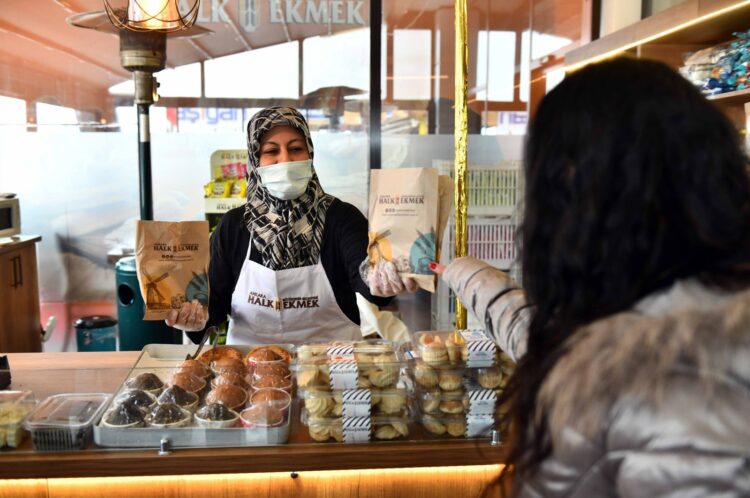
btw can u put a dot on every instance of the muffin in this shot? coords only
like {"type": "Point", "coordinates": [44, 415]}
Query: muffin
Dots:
{"type": "Point", "coordinates": [260, 416]}
{"type": "Point", "coordinates": [168, 415]}
{"type": "Point", "coordinates": [180, 397]}
{"type": "Point", "coordinates": [268, 353]}
{"type": "Point", "coordinates": [194, 367]}
{"type": "Point", "coordinates": [272, 381]}
{"type": "Point", "coordinates": [140, 398]}
{"type": "Point", "coordinates": [230, 378]}
{"type": "Point", "coordinates": [188, 382]}
{"type": "Point", "coordinates": [216, 416]}
{"type": "Point", "coordinates": [278, 368]}
{"type": "Point", "coordinates": [227, 365]}
{"type": "Point", "coordinates": [272, 397]}
{"type": "Point", "coordinates": [146, 381]}
{"type": "Point", "coordinates": [230, 395]}
{"type": "Point", "coordinates": [219, 353]}
{"type": "Point", "coordinates": [125, 414]}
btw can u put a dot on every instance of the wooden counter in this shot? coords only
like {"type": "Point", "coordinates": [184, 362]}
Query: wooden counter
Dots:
{"type": "Point", "coordinates": [52, 373]}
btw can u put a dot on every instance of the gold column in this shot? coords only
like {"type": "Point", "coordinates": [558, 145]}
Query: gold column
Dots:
{"type": "Point", "coordinates": [461, 137]}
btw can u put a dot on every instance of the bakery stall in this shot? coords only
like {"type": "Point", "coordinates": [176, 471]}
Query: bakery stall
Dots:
{"type": "Point", "coordinates": [354, 419]}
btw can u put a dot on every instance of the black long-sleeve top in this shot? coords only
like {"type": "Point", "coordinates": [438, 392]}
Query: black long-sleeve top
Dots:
{"type": "Point", "coordinates": [343, 249]}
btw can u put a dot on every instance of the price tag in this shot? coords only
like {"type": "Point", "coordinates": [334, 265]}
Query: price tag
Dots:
{"type": "Point", "coordinates": [479, 426]}
{"type": "Point", "coordinates": [482, 402]}
{"type": "Point", "coordinates": [482, 350]}
{"type": "Point", "coordinates": [356, 430]}
{"type": "Point", "coordinates": [343, 374]}
{"type": "Point", "coordinates": [357, 403]}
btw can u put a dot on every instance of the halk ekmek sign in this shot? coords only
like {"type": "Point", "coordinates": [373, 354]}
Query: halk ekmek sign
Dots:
{"type": "Point", "coordinates": [343, 12]}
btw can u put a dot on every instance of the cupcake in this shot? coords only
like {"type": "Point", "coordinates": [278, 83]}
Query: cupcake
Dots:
{"type": "Point", "coordinates": [260, 416]}
{"type": "Point", "coordinates": [230, 395]}
{"type": "Point", "coordinates": [230, 378]}
{"type": "Point", "coordinates": [142, 399]}
{"type": "Point", "coordinates": [146, 381]}
{"type": "Point", "coordinates": [188, 382]}
{"type": "Point", "coordinates": [272, 381]}
{"type": "Point", "coordinates": [219, 353]}
{"type": "Point", "coordinates": [216, 416]}
{"type": "Point", "coordinates": [227, 365]}
{"type": "Point", "coordinates": [268, 353]}
{"type": "Point", "coordinates": [180, 397]}
{"type": "Point", "coordinates": [168, 415]}
{"type": "Point", "coordinates": [278, 368]}
{"type": "Point", "coordinates": [194, 367]}
{"type": "Point", "coordinates": [269, 396]}
{"type": "Point", "coordinates": [125, 414]}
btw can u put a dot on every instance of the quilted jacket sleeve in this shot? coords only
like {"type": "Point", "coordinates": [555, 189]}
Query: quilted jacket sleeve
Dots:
{"type": "Point", "coordinates": [495, 299]}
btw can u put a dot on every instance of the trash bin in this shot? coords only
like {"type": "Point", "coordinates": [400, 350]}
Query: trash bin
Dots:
{"type": "Point", "coordinates": [135, 332]}
{"type": "Point", "coordinates": [96, 333]}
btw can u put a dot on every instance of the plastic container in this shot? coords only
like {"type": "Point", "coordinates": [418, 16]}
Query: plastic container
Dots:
{"type": "Point", "coordinates": [65, 422]}
{"type": "Point", "coordinates": [348, 365]}
{"type": "Point", "coordinates": [356, 402]}
{"type": "Point", "coordinates": [14, 406]}
{"type": "Point", "coordinates": [453, 426]}
{"type": "Point", "coordinates": [356, 429]}
{"type": "Point", "coordinates": [96, 333]}
{"type": "Point", "coordinates": [449, 349]}
{"type": "Point", "coordinates": [135, 332]}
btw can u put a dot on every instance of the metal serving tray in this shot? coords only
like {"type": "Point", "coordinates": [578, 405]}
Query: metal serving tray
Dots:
{"type": "Point", "coordinates": [168, 356]}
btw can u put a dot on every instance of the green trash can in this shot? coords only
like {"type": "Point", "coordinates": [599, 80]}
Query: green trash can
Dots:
{"type": "Point", "coordinates": [96, 333]}
{"type": "Point", "coordinates": [135, 332]}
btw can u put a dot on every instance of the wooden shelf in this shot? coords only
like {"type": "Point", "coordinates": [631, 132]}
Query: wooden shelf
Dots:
{"type": "Point", "coordinates": [737, 98]}
{"type": "Point", "coordinates": [655, 30]}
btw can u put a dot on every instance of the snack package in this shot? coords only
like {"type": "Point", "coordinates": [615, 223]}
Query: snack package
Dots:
{"type": "Point", "coordinates": [239, 189]}
{"type": "Point", "coordinates": [218, 188]}
{"type": "Point", "coordinates": [407, 214]}
{"type": "Point", "coordinates": [171, 260]}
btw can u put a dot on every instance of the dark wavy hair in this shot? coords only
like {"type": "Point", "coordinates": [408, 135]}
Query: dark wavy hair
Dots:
{"type": "Point", "coordinates": [633, 181]}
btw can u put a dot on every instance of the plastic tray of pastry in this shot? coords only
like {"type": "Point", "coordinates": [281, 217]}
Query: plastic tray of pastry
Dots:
{"type": "Point", "coordinates": [348, 365]}
{"type": "Point", "coordinates": [356, 429]}
{"type": "Point", "coordinates": [355, 402]}
{"type": "Point", "coordinates": [460, 348]}
{"type": "Point", "coordinates": [453, 426]}
{"type": "Point", "coordinates": [448, 378]}
{"type": "Point", "coordinates": [64, 422]}
{"type": "Point", "coordinates": [14, 406]}
{"type": "Point", "coordinates": [229, 396]}
{"type": "Point", "coordinates": [468, 399]}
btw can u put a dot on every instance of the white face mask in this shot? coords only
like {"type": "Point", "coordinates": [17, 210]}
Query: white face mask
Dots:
{"type": "Point", "coordinates": [286, 181]}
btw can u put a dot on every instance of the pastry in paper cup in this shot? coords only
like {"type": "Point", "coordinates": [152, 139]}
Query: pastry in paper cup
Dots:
{"type": "Point", "coordinates": [124, 415]}
{"type": "Point", "coordinates": [272, 381]}
{"type": "Point", "coordinates": [180, 397]}
{"type": "Point", "coordinates": [140, 398]}
{"type": "Point", "coordinates": [230, 395]}
{"type": "Point", "coordinates": [189, 382]}
{"type": "Point", "coordinates": [227, 365]}
{"type": "Point", "coordinates": [278, 368]}
{"type": "Point", "coordinates": [230, 378]}
{"type": "Point", "coordinates": [168, 415]}
{"type": "Point", "coordinates": [218, 353]}
{"type": "Point", "coordinates": [261, 416]}
{"type": "Point", "coordinates": [268, 353]}
{"type": "Point", "coordinates": [269, 396]}
{"type": "Point", "coordinates": [194, 367]}
{"type": "Point", "coordinates": [216, 416]}
{"type": "Point", "coordinates": [146, 381]}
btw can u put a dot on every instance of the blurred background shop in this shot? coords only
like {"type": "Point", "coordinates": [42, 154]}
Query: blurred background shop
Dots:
{"type": "Point", "coordinates": [378, 92]}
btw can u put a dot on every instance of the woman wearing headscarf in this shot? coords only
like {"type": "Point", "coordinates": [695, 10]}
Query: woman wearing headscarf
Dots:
{"type": "Point", "coordinates": [285, 266]}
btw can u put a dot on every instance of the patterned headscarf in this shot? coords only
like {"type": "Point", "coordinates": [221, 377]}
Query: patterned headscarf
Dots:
{"type": "Point", "coordinates": [288, 234]}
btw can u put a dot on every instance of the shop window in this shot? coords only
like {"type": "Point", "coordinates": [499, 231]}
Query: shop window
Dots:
{"type": "Point", "coordinates": [51, 117]}
{"type": "Point", "coordinates": [12, 111]}
{"type": "Point", "coordinates": [412, 58]}
{"type": "Point", "coordinates": [350, 67]}
{"type": "Point", "coordinates": [496, 53]}
{"type": "Point", "coordinates": [182, 81]}
{"type": "Point", "coordinates": [268, 72]}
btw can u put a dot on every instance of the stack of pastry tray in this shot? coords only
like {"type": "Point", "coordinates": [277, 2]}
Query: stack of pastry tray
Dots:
{"type": "Point", "coordinates": [165, 358]}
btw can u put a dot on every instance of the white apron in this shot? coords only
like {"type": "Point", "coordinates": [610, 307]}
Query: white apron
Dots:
{"type": "Point", "coordinates": [286, 306]}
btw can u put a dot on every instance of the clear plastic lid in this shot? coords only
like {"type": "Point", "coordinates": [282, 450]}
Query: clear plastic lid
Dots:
{"type": "Point", "coordinates": [15, 396]}
{"type": "Point", "coordinates": [365, 351]}
{"type": "Point", "coordinates": [470, 348]}
{"type": "Point", "coordinates": [356, 429]}
{"type": "Point", "coordinates": [356, 402]}
{"type": "Point", "coordinates": [67, 411]}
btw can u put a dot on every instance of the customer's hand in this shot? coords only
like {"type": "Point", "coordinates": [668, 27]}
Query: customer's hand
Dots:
{"type": "Point", "coordinates": [437, 268]}
{"type": "Point", "coordinates": [384, 280]}
{"type": "Point", "coordinates": [191, 317]}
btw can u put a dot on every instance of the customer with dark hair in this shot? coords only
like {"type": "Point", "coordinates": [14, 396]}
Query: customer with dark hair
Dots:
{"type": "Point", "coordinates": [633, 352]}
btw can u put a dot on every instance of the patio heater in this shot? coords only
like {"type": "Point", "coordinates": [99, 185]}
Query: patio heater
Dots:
{"type": "Point", "coordinates": [143, 27]}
